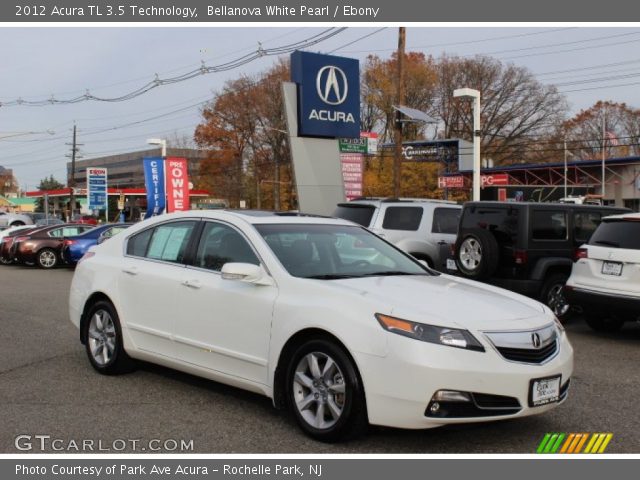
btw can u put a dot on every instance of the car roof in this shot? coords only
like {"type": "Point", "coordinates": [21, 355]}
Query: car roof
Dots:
{"type": "Point", "coordinates": [545, 205]}
{"type": "Point", "coordinates": [635, 217]}
{"type": "Point", "coordinates": [259, 217]}
{"type": "Point", "coordinates": [380, 200]}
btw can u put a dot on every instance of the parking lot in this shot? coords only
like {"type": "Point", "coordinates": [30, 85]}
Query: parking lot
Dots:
{"type": "Point", "coordinates": [48, 387]}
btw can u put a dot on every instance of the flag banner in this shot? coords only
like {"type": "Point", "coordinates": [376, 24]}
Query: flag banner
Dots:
{"type": "Point", "coordinates": [177, 184]}
{"type": "Point", "coordinates": [154, 183]}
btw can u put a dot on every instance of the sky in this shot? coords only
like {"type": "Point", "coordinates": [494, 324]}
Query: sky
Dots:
{"type": "Point", "coordinates": [587, 64]}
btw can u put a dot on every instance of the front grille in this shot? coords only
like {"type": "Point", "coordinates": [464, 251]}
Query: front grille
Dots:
{"type": "Point", "coordinates": [529, 355]}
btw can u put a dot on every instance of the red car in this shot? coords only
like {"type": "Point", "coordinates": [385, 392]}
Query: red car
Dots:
{"type": "Point", "coordinates": [86, 219]}
{"type": "Point", "coordinates": [44, 246]}
{"type": "Point", "coordinates": [7, 241]}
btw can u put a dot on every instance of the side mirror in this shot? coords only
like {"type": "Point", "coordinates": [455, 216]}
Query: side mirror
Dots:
{"type": "Point", "coordinates": [245, 272]}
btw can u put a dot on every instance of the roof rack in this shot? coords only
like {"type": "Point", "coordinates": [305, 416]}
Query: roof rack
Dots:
{"type": "Point", "coordinates": [403, 199]}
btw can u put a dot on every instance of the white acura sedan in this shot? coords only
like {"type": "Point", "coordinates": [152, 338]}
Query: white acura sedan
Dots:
{"type": "Point", "coordinates": [320, 315]}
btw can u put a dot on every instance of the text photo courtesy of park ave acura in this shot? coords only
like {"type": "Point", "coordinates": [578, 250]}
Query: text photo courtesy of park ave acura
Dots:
{"type": "Point", "coordinates": [306, 241]}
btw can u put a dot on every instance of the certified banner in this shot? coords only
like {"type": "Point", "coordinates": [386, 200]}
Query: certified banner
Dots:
{"type": "Point", "coordinates": [177, 184]}
{"type": "Point", "coordinates": [154, 183]}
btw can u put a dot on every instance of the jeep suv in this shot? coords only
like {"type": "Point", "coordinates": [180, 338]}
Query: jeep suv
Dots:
{"type": "Point", "coordinates": [417, 226]}
{"type": "Point", "coordinates": [525, 247]}
{"type": "Point", "coordinates": [605, 280]}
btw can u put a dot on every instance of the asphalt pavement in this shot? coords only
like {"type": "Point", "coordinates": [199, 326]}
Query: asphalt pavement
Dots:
{"type": "Point", "coordinates": [50, 396]}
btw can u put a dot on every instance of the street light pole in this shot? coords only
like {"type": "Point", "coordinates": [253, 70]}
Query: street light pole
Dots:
{"type": "Point", "coordinates": [397, 159]}
{"type": "Point", "coordinates": [475, 95]}
{"type": "Point", "coordinates": [565, 167]}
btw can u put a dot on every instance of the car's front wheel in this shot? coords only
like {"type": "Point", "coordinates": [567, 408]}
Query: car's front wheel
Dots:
{"type": "Point", "coordinates": [104, 345]}
{"type": "Point", "coordinates": [325, 392]}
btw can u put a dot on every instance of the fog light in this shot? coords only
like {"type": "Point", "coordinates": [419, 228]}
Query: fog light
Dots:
{"type": "Point", "coordinates": [450, 396]}
{"type": "Point", "coordinates": [435, 407]}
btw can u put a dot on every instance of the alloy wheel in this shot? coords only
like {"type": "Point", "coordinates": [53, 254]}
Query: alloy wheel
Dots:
{"type": "Point", "coordinates": [470, 253]}
{"type": "Point", "coordinates": [102, 337]}
{"type": "Point", "coordinates": [47, 259]}
{"type": "Point", "coordinates": [556, 301]}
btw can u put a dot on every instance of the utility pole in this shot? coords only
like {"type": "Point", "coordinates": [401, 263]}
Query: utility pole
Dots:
{"type": "Point", "coordinates": [71, 182]}
{"type": "Point", "coordinates": [604, 144]}
{"type": "Point", "coordinates": [397, 160]}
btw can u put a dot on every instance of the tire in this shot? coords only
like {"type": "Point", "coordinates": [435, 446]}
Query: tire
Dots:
{"type": "Point", "coordinates": [47, 258]}
{"type": "Point", "coordinates": [103, 340]}
{"type": "Point", "coordinates": [603, 324]}
{"type": "Point", "coordinates": [553, 297]}
{"type": "Point", "coordinates": [477, 254]}
{"type": "Point", "coordinates": [330, 406]}
{"type": "Point", "coordinates": [5, 261]}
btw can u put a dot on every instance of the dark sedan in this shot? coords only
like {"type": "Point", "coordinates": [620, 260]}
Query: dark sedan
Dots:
{"type": "Point", "coordinates": [43, 246]}
{"type": "Point", "coordinates": [7, 242]}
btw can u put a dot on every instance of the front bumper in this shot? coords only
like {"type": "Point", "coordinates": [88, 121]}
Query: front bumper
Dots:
{"type": "Point", "coordinates": [399, 387]}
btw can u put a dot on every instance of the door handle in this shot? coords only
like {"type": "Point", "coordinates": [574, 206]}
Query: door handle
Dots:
{"type": "Point", "coordinates": [192, 284]}
{"type": "Point", "coordinates": [130, 270]}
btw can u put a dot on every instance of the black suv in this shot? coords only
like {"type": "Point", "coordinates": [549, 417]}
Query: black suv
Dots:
{"type": "Point", "coordinates": [525, 247]}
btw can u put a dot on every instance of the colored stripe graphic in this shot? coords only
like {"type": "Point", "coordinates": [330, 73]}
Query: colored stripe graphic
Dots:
{"type": "Point", "coordinates": [574, 443]}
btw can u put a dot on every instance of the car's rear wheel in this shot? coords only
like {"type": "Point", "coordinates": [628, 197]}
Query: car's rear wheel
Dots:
{"type": "Point", "coordinates": [477, 254]}
{"type": "Point", "coordinates": [552, 295]}
{"type": "Point", "coordinates": [103, 336]}
{"type": "Point", "coordinates": [325, 392]}
{"type": "Point", "coordinates": [47, 258]}
{"type": "Point", "coordinates": [603, 323]}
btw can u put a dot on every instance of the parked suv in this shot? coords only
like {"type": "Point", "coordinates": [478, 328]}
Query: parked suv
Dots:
{"type": "Point", "coordinates": [417, 226]}
{"type": "Point", "coordinates": [525, 247]}
{"type": "Point", "coordinates": [605, 280]}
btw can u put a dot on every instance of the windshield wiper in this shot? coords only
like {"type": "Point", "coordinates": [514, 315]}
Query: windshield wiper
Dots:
{"type": "Point", "coordinates": [331, 276]}
{"type": "Point", "coordinates": [607, 242]}
{"type": "Point", "coordinates": [389, 273]}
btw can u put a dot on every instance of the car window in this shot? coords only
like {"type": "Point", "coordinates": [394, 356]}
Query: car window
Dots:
{"type": "Point", "coordinates": [357, 213]}
{"type": "Point", "coordinates": [402, 218]}
{"type": "Point", "coordinates": [502, 222]}
{"type": "Point", "coordinates": [549, 225]}
{"type": "Point", "coordinates": [57, 232]}
{"type": "Point", "coordinates": [445, 220]}
{"type": "Point", "coordinates": [617, 234]}
{"type": "Point", "coordinates": [169, 241]}
{"type": "Point", "coordinates": [220, 244]}
{"type": "Point", "coordinates": [584, 224]}
{"type": "Point", "coordinates": [138, 243]}
{"type": "Point", "coordinates": [113, 231]}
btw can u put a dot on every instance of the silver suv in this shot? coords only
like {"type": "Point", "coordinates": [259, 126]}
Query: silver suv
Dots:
{"type": "Point", "coordinates": [417, 226]}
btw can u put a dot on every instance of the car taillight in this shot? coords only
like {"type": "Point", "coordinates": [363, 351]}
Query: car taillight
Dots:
{"type": "Point", "coordinates": [520, 257]}
{"type": "Point", "coordinates": [20, 239]}
{"type": "Point", "coordinates": [69, 242]}
{"type": "Point", "coordinates": [580, 253]}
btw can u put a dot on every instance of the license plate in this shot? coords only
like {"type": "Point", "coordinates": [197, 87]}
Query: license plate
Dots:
{"type": "Point", "coordinates": [544, 391]}
{"type": "Point", "coordinates": [611, 268]}
{"type": "Point", "coordinates": [451, 264]}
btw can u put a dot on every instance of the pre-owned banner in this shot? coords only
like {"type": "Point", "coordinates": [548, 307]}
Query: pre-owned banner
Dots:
{"type": "Point", "coordinates": [177, 184]}
{"type": "Point", "coordinates": [154, 183]}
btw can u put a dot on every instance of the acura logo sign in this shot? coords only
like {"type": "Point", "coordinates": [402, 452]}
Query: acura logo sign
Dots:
{"type": "Point", "coordinates": [332, 85]}
{"type": "Point", "coordinates": [535, 340]}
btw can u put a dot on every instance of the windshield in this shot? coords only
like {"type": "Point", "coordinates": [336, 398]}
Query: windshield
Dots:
{"type": "Point", "coordinates": [335, 251]}
{"type": "Point", "coordinates": [357, 213]}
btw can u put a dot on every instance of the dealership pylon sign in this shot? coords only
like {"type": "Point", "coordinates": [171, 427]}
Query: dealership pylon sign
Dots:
{"type": "Point", "coordinates": [97, 188]}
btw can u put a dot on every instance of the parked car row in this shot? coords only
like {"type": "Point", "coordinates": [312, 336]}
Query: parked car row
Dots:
{"type": "Point", "coordinates": [51, 245]}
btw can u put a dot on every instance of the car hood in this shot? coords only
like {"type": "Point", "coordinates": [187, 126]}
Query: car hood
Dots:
{"type": "Point", "coordinates": [448, 301]}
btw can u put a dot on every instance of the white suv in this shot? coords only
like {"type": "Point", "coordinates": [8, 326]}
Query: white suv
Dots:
{"type": "Point", "coordinates": [605, 280]}
{"type": "Point", "coordinates": [418, 226]}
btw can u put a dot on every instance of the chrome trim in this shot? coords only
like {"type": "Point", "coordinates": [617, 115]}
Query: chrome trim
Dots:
{"type": "Point", "coordinates": [522, 339]}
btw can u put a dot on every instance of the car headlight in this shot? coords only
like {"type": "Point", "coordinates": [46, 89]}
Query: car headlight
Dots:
{"type": "Point", "coordinates": [451, 337]}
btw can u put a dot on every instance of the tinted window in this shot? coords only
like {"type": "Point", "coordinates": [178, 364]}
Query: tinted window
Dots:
{"type": "Point", "coordinates": [169, 241]}
{"type": "Point", "coordinates": [137, 245]}
{"type": "Point", "coordinates": [220, 244]}
{"type": "Point", "coordinates": [402, 218]}
{"type": "Point", "coordinates": [617, 234]}
{"type": "Point", "coordinates": [113, 231]}
{"type": "Point", "coordinates": [360, 214]}
{"type": "Point", "coordinates": [584, 224]}
{"type": "Point", "coordinates": [445, 220]}
{"type": "Point", "coordinates": [502, 222]}
{"type": "Point", "coordinates": [549, 225]}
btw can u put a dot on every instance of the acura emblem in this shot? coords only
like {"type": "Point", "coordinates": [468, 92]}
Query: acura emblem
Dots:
{"type": "Point", "coordinates": [332, 85]}
{"type": "Point", "coordinates": [535, 339]}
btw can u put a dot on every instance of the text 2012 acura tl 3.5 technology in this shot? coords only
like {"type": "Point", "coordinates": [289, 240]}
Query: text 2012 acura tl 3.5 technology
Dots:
{"type": "Point", "coordinates": [320, 315]}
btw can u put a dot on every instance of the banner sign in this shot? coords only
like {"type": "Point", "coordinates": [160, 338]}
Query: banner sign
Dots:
{"type": "Point", "coordinates": [352, 173]}
{"type": "Point", "coordinates": [451, 182]}
{"type": "Point", "coordinates": [491, 180]}
{"type": "Point", "coordinates": [154, 183]}
{"type": "Point", "coordinates": [328, 95]}
{"type": "Point", "coordinates": [97, 188]}
{"type": "Point", "coordinates": [177, 183]}
{"type": "Point", "coordinates": [367, 144]}
{"type": "Point", "coordinates": [495, 179]}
